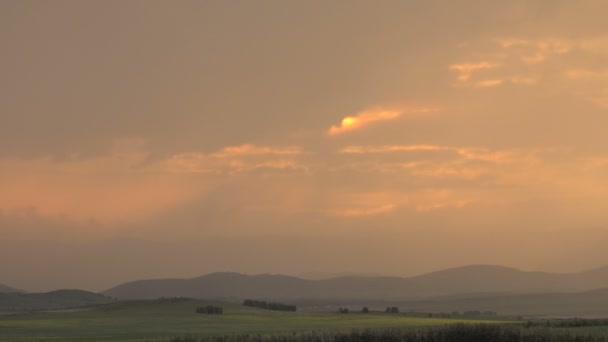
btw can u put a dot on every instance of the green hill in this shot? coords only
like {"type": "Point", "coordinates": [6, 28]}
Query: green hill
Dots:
{"type": "Point", "coordinates": [582, 304]}
{"type": "Point", "coordinates": [61, 299]}
{"type": "Point", "coordinates": [158, 320]}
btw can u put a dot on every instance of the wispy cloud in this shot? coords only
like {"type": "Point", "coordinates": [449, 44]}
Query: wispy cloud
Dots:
{"type": "Point", "coordinates": [111, 188]}
{"type": "Point", "coordinates": [578, 74]}
{"type": "Point", "coordinates": [357, 212]}
{"type": "Point", "coordinates": [488, 83]}
{"type": "Point", "coordinates": [525, 80]}
{"type": "Point", "coordinates": [390, 148]}
{"type": "Point", "coordinates": [253, 150]}
{"type": "Point", "coordinates": [465, 70]}
{"type": "Point", "coordinates": [471, 153]}
{"type": "Point", "coordinates": [519, 61]}
{"type": "Point", "coordinates": [236, 159]}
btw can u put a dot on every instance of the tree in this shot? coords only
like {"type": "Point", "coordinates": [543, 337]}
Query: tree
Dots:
{"type": "Point", "coordinates": [269, 306]}
{"type": "Point", "coordinates": [365, 309]}
{"type": "Point", "coordinates": [210, 310]}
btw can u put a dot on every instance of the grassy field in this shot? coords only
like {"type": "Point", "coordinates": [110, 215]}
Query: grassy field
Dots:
{"type": "Point", "coordinates": [162, 319]}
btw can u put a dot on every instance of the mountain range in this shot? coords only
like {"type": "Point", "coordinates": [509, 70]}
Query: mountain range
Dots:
{"type": "Point", "coordinates": [468, 280]}
{"type": "Point", "coordinates": [8, 289]}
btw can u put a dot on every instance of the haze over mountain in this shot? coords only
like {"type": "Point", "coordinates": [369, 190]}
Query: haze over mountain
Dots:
{"type": "Point", "coordinates": [474, 279]}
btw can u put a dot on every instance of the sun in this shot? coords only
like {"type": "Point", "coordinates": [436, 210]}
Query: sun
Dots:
{"type": "Point", "coordinates": [348, 121]}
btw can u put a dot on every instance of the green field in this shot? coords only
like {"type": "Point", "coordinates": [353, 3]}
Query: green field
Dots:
{"type": "Point", "coordinates": [162, 319]}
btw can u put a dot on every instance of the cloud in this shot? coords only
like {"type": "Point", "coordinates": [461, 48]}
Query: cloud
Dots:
{"type": "Point", "coordinates": [488, 83]}
{"type": "Point", "coordinates": [471, 153]}
{"type": "Point", "coordinates": [510, 42]}
{"type": "Point", "coordinates": [253, 150]}
{"type": "Point", "coordinates": [362, 204]}
{"type": "Point", "coordinates": [596, 45]}
{"type": "Point", "coordinates": [577, 74]}
{"type": "Point", "coordinates": [391, 148]}
{"type": "Point", "coordinates": [520, 61]}
{"type": "Point", "coordinates": [362, 119]}
{"type": "Point", "coordinates": [465, 70]}
{"type": "Point", "coordinates": [525, 80]}
{"type": "Point", "coordinates": [122, 187]}
{"type": "Point", "coordinates": [356, 212]}
{"type": "Point", "coordinates": [433, 199]}
{"type": "Point", "coordinates": [236, 159]}
{"type": "Point", "coordinates": [110, 188]}
{"type": "Point", "coordinates": [534, 59]}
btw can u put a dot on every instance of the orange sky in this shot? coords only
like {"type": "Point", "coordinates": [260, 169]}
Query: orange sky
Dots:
{"type": "Point", "coordinates": [466, 125]}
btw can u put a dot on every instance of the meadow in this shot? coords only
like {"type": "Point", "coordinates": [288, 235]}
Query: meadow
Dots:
{"type": "Point", "coordinates": [167, 319]}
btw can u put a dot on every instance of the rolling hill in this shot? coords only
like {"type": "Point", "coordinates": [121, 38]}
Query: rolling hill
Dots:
{"type": "Point", "coordinates": [466, 280]}
{"type": "Point", "coordinates": [60, 299]}
{"type": "Point", "coordinates": [163, 320]}
{"type": "Point", "coordinates": [580, 304]}
{"type": "Point", "coordinates": [8, 289]}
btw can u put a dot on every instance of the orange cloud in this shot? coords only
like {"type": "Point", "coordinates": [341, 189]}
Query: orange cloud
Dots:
{"type": "Point", "coordinates": [365, 118]}
{"type": "Point", "coordinates": [577, 74]}
{"type": "Point", "coordinates": [433, 199]}
{"type": "Point", "coordinates": [378, 203]}
{"type": "Point", "coordinates": [521, 61]}
{"type": "Point", "coordinates": [391, 148]}
{"type": "Point", "coordinates": [468, 153]}
{"type": "Point", "coordinates": [488, 83]}
{"type": "Point", "coordinates": [510, 42]}
{"type": "Point", "coordinates": [465, 70]}
{"type": "Point", "coordinates": [120, 187]}
{"type": "Point", "coordinates": [236, 159]}
{"type": "Point", "coordinates": [253, 150]}
{"type": "Point", "coordinates": [354, 212]}
{"type": "Point", "coordinates": [113, 188]}
{"type": "Point", "coordinates": [534, 59]}
{"type": "Point", "coordinates": [523, 80]}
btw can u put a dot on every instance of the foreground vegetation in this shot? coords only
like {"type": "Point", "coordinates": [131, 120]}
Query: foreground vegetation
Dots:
{"type": "Point", "coordinates": [451, 333]}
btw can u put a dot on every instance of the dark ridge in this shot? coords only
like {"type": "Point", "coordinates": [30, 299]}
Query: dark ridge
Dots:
{"type": "Point", "coordinates": [460, 281]}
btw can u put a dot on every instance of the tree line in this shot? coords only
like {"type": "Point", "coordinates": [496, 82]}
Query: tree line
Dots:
{"type": "Point", "coordinates": [210, 310]}
{"type": "Point", "coordinates": [269, 305]}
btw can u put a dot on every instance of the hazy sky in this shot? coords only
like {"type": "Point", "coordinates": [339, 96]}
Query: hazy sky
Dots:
{"type": "Point", "coordinates": [146, 139]}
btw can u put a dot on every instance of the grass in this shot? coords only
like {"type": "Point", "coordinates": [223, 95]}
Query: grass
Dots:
{"type": "Point", "coordinates": [163, 319]}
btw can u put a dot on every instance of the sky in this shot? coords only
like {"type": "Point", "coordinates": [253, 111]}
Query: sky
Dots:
{"type": "Point", "coordinates": [152, 139]}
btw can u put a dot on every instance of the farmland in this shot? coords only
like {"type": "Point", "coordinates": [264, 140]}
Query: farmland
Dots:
{"type": "Point", "coordinates": [158, 320]}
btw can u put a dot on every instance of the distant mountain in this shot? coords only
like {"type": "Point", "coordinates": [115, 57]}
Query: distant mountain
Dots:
{"type": "Point", "coordinates": [60, 299]}
{"type": "Point", "coordinates": [328, 275]}
{"type": "Point", "coordinates": [475, 279]}
{"type": "Point", "coordinates": [8, 289]}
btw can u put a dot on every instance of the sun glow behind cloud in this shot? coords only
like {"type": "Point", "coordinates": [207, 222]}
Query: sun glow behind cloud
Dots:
{"type": "Point", "coordinates": [368, 117]}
